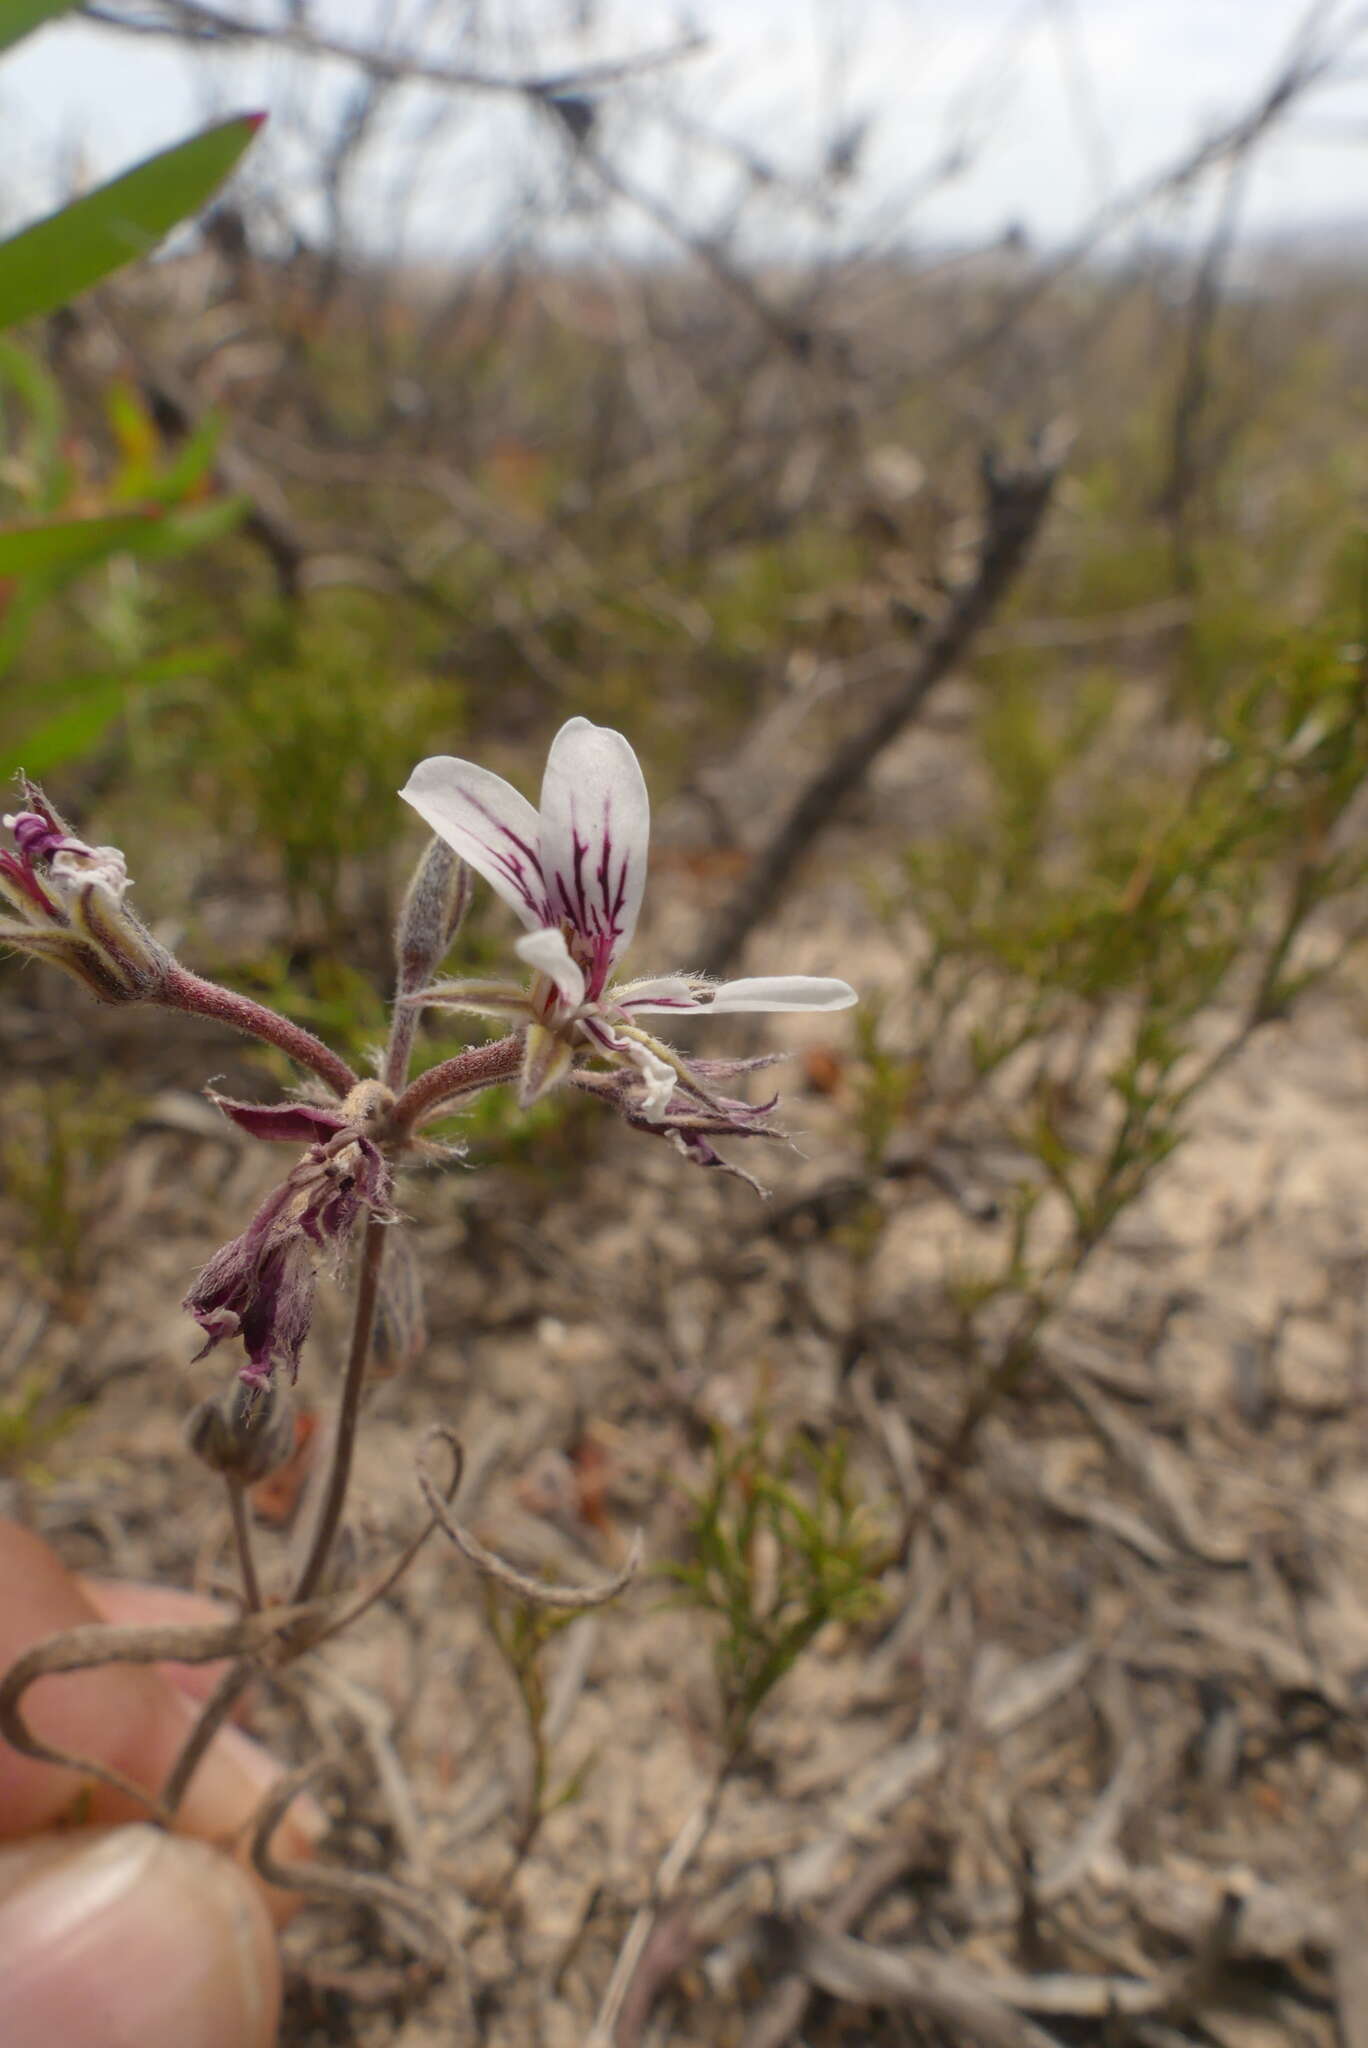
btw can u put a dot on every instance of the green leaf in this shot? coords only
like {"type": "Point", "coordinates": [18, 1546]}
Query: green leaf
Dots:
{"type": "Point", "coordinates": [34, 458]}
{"type": "Point", "coordinates": [152, 535]}
{"type": "Point", "coordinates": [71, 543]}
{"type": "Point", "coordinates": [192, 463]}
{"type": "Point", "coordinates": [178, 532]}
{"type": "Point", "coordinates": [19, 18]}
{"type": "Point", "coordinates": [72, 733]}
{"type": "Point", "coordinates": [49, 263]}
{"type": "Point", "coordinates": [99, 700]}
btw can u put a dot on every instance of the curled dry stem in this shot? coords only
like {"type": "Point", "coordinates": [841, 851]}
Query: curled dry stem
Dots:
{"type": "Point", "coordinates": [213, 1714]}
{"type": "Point", "coordinates": [418, 1924]}
{"type": "Point", "coordinates": [235, 1680]}
{"type": "Point", "coordinates": [535, 1591]}
{"type": "Point", "coordinates": [96, 1643]}
{"type": "Point", "coordinates": [394, 1572]}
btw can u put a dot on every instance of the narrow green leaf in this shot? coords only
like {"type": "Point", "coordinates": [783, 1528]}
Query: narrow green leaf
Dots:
{"type": "Point", "coordinates": [67, 543]}
{"type": "Point", "coordinates": [176, 534]}
{"type": "Point", "coordinates": [97, 700]}
{"type": "Point", "coordinates": [19, 18]}
{"type": "Point", "coordinates": [49, 263]}
{"type": "Point", "coordinates": [37, 439]}
{"type": "Point", "coordinates": [70, 734]}
{"type": "Point", "coordinates": [152, 535]}
{"type": "Point", "coordinates": [191, 464]}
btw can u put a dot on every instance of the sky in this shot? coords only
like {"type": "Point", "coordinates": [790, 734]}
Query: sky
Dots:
{"type": "Point", "coordinates": [1061, 105]}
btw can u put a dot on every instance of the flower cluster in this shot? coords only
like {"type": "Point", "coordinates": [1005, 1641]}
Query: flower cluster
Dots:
{"type": "Point", "coordinates": [574, 873]}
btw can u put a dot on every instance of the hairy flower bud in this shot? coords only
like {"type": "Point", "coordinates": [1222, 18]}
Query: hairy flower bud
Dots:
{"type": "Point", "coordinates": [242, 1434]}
{"type": "Point", "coordinates": [437, 900]}
{"type": "Point", "coordinates": [71, 911]}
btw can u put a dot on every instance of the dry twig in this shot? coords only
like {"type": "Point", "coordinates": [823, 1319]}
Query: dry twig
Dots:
{"type": "Point", "coordinates": [1016, 500]}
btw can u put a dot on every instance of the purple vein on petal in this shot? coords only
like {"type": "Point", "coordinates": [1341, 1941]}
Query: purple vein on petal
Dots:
{"type": "Point", "coordinates": [595, 830]}
{"type": "Point", "coordinates": [486, 821]}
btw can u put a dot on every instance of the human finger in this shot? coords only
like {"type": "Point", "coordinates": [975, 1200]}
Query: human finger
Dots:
{"type": "Point", "coordinates": [133, 1935]}
{"type": "Point", "coordinates": [125, 1715]}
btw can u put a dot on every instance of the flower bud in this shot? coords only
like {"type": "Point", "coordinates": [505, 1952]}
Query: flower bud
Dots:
{"type": "Point", "coordinates": [244, 1434]}
{"type": "Point", "coordinates": [435, 904]}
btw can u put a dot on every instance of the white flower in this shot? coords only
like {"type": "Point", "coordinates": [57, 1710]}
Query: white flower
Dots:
{"type": "Point", "coordinates": [574, 873]}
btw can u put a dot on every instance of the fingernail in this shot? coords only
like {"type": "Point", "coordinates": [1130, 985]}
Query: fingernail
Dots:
{"type": "Point", "coordinates": [133, 1935]}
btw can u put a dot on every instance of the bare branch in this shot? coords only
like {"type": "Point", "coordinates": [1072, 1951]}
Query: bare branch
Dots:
{"type": "Point", "coordinates": [95, 1644]}
{"type": "Point", "coordinates": [569, 1598]}
{"type": "Point", "coordinates": [1016, 502]}
{"type": "Point", "coordinates": [190, 21]}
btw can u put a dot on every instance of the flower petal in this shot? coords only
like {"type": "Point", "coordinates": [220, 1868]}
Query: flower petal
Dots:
{"type": "Point", "coordinates": [486, 821]}
{"type": "Point", "coordinates": [549, 954]}
{"type": "Point", "coordinates": [596, 828]}
{"type": "Point", "coordinates": [782, 992]}
{"type": "Point", "coordinates": [666, 992]}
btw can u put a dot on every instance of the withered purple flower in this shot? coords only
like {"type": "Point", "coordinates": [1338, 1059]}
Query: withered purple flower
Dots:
{"type": "Point", "coordinates": [694, 1114]}
{"type": "Point", "coordinates": [71, 911]}
{"type": "Point", "coordinates": [574, 873]}
{"type": "Point", "coordinates": [260, 1287]}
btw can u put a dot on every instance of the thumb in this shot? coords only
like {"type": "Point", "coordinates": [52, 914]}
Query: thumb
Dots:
{"type": "Point", "coordinates": [132, 1936]}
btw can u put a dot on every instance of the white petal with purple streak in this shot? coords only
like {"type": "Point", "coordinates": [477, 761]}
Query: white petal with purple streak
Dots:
{"type": "Point", "coordinates": [549, 954]}
{"type": "Point", "coordinates": [596, 829]}
{"type": "Point", "coordinates": [492, 827]}
{"type": "Point", "coordinates": [664, 992]}
{"type": "Point", "coordinates": [783, 992]}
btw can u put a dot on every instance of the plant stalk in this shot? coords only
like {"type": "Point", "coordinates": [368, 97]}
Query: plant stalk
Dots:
{"type": "Point", "coordinates": [348, 1413]}
{"type": "Point", "coordinates": [242, 1538]}
{"type": "Point", "coordinates": [182, 990]}
{"type": "Point", "coordinates": [479, 1066]}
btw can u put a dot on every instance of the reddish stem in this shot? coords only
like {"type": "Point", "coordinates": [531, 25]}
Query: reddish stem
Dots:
{"type": "Point", "coordinates": [479, 1066]}
{"type": "Point", "coordinates": [182, 990]}
{"type": "Point", "coordinates": [349, 1409]}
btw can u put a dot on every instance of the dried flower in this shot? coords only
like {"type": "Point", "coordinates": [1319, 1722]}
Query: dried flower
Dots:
{"type": "Point", "coordinates": [70, 903]}
{"type": "Point", "coordinates": [260, 1287]}
{"type": "Point", "coordinates": [574, 873]}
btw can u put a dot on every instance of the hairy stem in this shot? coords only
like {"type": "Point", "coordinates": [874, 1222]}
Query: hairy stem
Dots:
{"type": "Point", "coordinates": [479, 1066]}
{"type": "Point", "coordinates": [399, 1051]}
{"type": "Point", "coordinates": [182, 990]}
